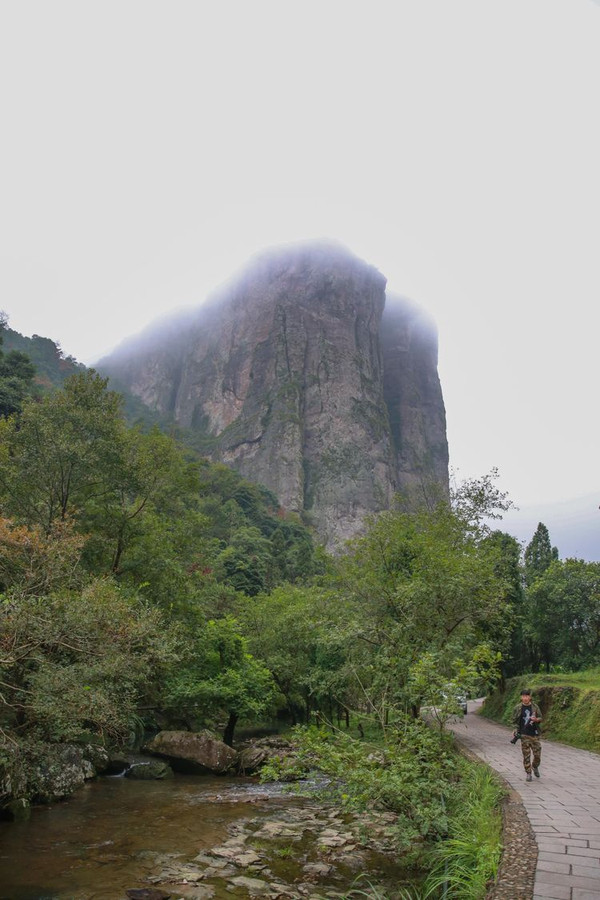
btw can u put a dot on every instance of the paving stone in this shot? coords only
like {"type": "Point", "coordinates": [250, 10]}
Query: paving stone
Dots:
{"type": "Point", "coordinates": [547, 865]}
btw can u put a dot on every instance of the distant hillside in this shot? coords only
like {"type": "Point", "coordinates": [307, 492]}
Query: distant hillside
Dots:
{"type": "Point", "coordinates": [51, 366]}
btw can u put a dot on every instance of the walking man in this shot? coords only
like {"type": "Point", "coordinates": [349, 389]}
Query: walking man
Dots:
{"type": "Point", "coordinates": [526, 718]}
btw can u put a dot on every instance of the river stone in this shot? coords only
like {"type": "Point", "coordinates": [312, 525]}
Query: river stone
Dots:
{"type": "Point", "coordinates": [225, 852]}
{"type": "Point", "coordinates": [248, 858]}
{"type": "Point", "coordinates": [332, 840]}
{"type": "Point", "coordinates": [251, 759]}
{"type": "Point", "coordinates": [252, 885]}
{"type": "Point", "coordinates": [318, 869]}
{"type": "Point", "coordinates": [153, 770]}
{"type": "Point", "coordinates": [195, 892]}
{"type": "Point", "coordinates": [193, 751]}
{"type": "Point", "coordinates": [187, 875]}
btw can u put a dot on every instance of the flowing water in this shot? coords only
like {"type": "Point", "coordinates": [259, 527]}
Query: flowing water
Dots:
{"type": "Point", "coordinates": [116, 832]}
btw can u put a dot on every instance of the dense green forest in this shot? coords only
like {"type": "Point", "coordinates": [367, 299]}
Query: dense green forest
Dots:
{"type": "Point", "coordinates": [143, 587]}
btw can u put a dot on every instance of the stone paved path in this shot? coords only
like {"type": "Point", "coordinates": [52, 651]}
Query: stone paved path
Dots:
{"type": "Point", "coordinates": [563, 806]}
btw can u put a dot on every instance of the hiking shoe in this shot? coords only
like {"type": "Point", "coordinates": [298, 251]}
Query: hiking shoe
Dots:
{"type": "Point", "coordinates": [529, 778]}
{"type": "Point", "coordinates": [536, 772]}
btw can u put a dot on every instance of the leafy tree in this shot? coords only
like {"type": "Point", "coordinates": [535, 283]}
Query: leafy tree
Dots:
{"type": "Point", "coordinates": [423, 583]}
{"type": "Point", "coordinates": [246, 563]}
{"type": "Point", "coordinates": [61, 453]}
{"type": "Point", "coordinates": [80, 663]}
{"type": "Point", "coordinates": [565, 614]}
{"type": "Point", "coordinates": [517, 650]}
{"type": "Point", "coordinates": [34, 562]}
{"type": "Point", "coordinates": [285, 629]}
{"type": "Point", "coordinates": [220, 678]}
{"type": "Point", "coordinates": [539, 554]}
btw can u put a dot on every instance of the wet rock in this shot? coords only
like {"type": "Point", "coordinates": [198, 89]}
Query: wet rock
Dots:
{"type": "Point", "coordinates": [282, 892]}
{"type": "Point", "coordinates": [212, 862]}
{"type": "Point", "coordinates": [225, 870]}
{"type": "Point", "coordinates": [195, 892]}
{"type": "Point", "coordinates": [153, 770]}
{"type": "Point", "coordinates": [252, 885]}
{"type": "Point", "coordinates": [251, 759]}
{"type": "Point", "coordinates": [317, 869]}
{"type": "Point", "coordinates": [193, 751]}
{"type": "Point", "coordinates": [188, 875]}
{"type": "Point", "coordinates": [330, 838]}
{"type": "Point", "coordinates": [249, 858]}
{"type": "Point", "coordinates": [280, 829]}
{"type": "Point", "coordinates": [355, 861]}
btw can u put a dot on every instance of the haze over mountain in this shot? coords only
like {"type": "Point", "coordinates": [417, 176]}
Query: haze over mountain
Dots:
{"type": "Point", "coordinates": [299, 375]}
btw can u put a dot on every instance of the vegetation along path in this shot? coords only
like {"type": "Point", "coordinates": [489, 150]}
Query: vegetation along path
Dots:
{"type": "Point", "coordinates": [563, 809]}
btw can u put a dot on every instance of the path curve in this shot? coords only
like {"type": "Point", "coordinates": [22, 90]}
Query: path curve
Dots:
{"type": "Point", "coordinates": [562, 806]}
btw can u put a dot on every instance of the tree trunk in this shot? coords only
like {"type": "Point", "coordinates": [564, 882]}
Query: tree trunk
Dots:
{"type": "Point", "coordinates": [229, 729]}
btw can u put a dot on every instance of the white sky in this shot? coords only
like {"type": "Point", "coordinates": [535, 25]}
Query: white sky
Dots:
{"type": "Point", "coordinates": [149, 148]}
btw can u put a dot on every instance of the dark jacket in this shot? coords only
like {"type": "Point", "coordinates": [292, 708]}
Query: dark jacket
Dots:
{"type": "Point", "coordinates": [520, 719]}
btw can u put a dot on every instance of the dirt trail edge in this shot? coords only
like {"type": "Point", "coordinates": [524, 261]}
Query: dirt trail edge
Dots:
{"type": "Point", "coordinates": [552, 824]}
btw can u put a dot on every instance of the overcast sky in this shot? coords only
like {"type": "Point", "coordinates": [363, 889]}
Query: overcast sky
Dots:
{"type": "Point", "coordinates": [149, 148]}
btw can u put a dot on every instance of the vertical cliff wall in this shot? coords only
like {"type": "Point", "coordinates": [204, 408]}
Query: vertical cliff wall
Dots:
{"type": "Point", "coordinates": [413, 397]}
{"type": "Point", "coordinates": [289, 375]}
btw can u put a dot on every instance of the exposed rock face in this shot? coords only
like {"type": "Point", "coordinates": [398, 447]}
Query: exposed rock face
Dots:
{"type": "Point", "coordinates": [414, 401]}
{"type": "Point", "coordinates": [294, 380]}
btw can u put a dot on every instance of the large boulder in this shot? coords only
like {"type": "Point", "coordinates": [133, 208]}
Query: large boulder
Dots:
{"type": "Point", "coordinates": [259, 752]}
{"type": "Point", "coordinates": [44, 773]}
{"type": "Point", "coordinates": [189, 751]}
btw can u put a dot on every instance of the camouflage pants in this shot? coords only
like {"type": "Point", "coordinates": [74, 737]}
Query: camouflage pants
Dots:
{"type": "Point", "coordinates": [532, 753]}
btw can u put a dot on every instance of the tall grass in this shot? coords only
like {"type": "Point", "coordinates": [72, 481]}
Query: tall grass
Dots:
{"type": "Point", "coordinates": [363, 887]}
{"type": "Point", "coordinates": [465, 863]}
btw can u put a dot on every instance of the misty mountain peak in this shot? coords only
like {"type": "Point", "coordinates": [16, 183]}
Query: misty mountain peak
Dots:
{"type": "Point", "coordinates": [295, 373]}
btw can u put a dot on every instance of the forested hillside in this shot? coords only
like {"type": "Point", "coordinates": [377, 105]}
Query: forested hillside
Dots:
{"type": "Point", "coordinates": [51, 366]}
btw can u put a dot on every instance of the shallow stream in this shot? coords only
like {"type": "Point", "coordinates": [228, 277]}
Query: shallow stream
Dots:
{"type": "Point", "coordinates": [118, 834]}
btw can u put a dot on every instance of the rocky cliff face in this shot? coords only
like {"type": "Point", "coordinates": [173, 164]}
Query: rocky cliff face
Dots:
{"type": "Point", "coordinates": [298, 378]}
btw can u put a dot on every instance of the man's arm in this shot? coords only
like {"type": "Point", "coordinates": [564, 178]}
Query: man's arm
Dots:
{"type": "Point", "coordinates": [516, 719]}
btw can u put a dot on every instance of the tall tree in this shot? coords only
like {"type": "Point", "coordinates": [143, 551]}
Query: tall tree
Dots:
{"type": "Point", "coordinates": [539, 553]}
{"type": "Point", "coordinates": [565, 614]}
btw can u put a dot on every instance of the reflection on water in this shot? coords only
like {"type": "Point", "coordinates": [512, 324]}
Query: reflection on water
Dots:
{"type": "Point", "coordinates": [107, 838]}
